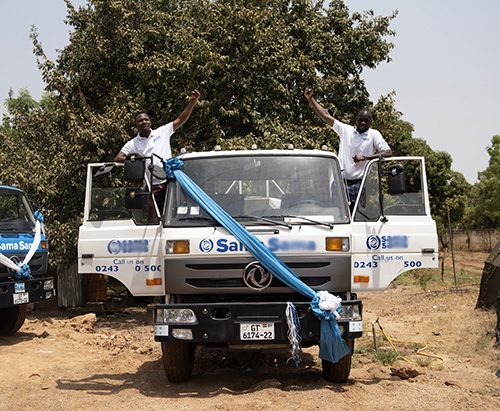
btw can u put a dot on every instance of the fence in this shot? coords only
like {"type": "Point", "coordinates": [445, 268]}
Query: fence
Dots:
{"type": "Point", "coordinates": [476, 240]}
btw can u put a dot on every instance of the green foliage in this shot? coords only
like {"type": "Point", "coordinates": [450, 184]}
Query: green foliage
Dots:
{"type": "Point", "coordinates": [486, 206]}
{"type": "Point", "coordinates": [386, 357]}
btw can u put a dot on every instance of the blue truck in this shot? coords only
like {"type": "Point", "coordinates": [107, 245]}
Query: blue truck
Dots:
{"type": "Point", "coordinates": [23, 274]}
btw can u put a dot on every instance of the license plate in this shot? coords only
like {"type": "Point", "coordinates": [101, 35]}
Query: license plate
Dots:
{"type": "Point", "coordinates": [256, 331]}
{"type": "Point", "coordinates": [21, 298]}
{"type": "Point", "coordinates": [19, 287]}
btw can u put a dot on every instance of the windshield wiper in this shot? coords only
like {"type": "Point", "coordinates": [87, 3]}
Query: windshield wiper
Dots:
{"type": "Point", "coordinates": [268, 220]}
{"type": "Point", "coordinates": [193, 219]}
{"type": "Point", "coordinates": [306, 219]}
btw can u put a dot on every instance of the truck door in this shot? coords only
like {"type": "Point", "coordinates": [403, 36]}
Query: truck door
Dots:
{"type": "Point", "coordinates": [116, 242]}
{"type": "Point", "coordinates": [392, 228]}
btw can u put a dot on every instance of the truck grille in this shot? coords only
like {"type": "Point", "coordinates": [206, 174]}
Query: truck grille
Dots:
{"type": "Point", "coordinates": [37, 264]}
{"type": "Point", "coordinates": [238, 282]}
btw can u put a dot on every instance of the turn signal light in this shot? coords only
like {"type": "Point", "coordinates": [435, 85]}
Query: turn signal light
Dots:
{"type": "Point", "coordinates": [337, 244]}
{"type": "Point", "coordinates": [178, 247]}
{"type": "Point", "coordinates": [153, 281]}
{"type": "Point", "coordinates": [44, 245]}
{"type": "Point", "coordinates": [361, 278]}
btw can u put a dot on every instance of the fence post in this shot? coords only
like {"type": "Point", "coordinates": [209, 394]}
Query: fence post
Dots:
{"type": "Point", "coordinates": [451, 245]}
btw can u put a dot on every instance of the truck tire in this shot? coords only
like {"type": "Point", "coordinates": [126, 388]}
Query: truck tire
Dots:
{"type": "Point", "coordinates": [12, 318]}
{"type": "Point", "coordinates": [339, 372]}
{"type": "Point", "coordinates": [178, 360]}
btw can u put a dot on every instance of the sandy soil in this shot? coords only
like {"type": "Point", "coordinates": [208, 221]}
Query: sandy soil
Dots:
{"type": "Point", "coordinates": [80, 360]}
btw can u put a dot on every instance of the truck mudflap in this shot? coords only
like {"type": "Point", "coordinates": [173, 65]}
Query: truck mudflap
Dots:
{"type": "Point", "coordinates": [247, 323]}
{"type": "Point", "coordinates": [18, 292]}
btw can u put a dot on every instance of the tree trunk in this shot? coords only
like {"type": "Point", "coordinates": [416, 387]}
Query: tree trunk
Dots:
{"type": "Point", "coordinates": [70, 286]}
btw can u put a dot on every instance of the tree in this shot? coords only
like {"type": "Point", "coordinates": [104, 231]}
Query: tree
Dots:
{"type": "Point", "coordinates": [487, 205]}
{"type": "Point", "coordinates": [251, 61]}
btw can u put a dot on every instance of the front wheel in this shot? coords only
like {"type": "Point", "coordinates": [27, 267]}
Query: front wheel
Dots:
{"type": "Point", "coordinates": [339, 372]}
{"type": "Point", "coordinates": [178, 360]}
{"type": "Point", "coordinates": [12, 318]}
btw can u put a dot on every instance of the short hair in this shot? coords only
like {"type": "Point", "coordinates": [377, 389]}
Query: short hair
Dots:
{"type": "Point", "coordinates": [139, 113]}
{"type": "Point", "coordinates": [365, 110]}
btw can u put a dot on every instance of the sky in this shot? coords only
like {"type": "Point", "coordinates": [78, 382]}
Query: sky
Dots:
{"type": "Point", "coordinates": [444, 67]}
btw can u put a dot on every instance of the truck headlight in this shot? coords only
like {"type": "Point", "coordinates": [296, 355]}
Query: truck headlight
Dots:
{"type": "Point", "coordinates": [182, 333]}
{"type": "Point", "coordinates": [350, 312]}
{"type": "Point", "coordinates": [48, 285]}
{"type": "Point", "coordinates": [175, 316]}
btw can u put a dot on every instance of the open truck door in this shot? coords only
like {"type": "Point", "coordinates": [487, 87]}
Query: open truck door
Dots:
{"type": "Point", "coordinates": [119, 237]}
{"type": "Point", "coordinates": [392, 228]}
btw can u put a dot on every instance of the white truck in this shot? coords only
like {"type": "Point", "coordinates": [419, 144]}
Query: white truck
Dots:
{"type": "Point", "coordinates": [214, 292]}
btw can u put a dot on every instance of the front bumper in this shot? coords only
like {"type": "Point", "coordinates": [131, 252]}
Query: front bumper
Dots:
{"type": "Point", "coordinates": [219, 323]}
{"type": "Point", "coordinates": [18, 292]}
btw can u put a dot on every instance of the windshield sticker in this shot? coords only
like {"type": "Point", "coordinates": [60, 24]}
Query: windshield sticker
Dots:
{"type": "Point", "coordinates": [195, 210]}
{"type": "Point", "coordinates": [183, 210]}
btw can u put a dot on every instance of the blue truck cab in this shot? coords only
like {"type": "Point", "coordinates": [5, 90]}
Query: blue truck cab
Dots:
{"type": "Point", "coordinates": [18, 231]}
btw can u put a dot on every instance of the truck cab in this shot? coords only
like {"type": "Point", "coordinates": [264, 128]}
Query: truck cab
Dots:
{"type": "Point", "coordinates": [294, 201]}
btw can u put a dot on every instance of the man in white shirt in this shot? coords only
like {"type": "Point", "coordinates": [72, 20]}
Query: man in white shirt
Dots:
{"type": "Point", "coordinates": [157, 142]}
{"type": "Point", "coordinates": [357, 144]}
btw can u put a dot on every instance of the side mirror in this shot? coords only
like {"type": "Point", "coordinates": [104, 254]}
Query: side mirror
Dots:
{"type": "Point", "coordinates": [396, 179]}
{"type": "Point", "coordinates": [159, 173]}
{"type": "Point", "coordinates": [135, 198]}
{"type": "Point", "coordinates": [134, 168]}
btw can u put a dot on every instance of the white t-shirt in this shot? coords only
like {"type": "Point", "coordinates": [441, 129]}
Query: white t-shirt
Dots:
{"type": "Point", "coordinates": [352, 143]}
{"type": "Point", "coordinates": [158, 143]}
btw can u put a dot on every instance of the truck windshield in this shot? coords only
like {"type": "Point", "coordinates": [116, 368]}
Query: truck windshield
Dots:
{"type": "Point", "coordinates": [15, 212]}
{"type": "Point", "coordinates": [279, 188]}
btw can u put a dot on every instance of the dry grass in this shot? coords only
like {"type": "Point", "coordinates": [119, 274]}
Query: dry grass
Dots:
{"type": "Point", "coordinates": [420, 307]}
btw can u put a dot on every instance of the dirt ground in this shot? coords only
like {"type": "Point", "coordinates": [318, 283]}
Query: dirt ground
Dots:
{"type": "Point", "coordinates": [108, 360]}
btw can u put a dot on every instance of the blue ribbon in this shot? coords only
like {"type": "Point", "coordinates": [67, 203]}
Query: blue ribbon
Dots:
{"type": "Point", "coordinates": [39, 216]}
{"type": "Point", "coordinates": [23, 273]}
{"type": "Point", "coordinates": [332, 345]}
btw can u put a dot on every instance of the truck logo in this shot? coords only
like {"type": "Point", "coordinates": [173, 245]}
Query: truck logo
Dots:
{"type": "Point", "coordinates": [17, 246]}
{"type": "Point", "coordinates": [374, 242]}
{"type": "Point", "coordinates": [223, 245]}
{"type": "Point", "coordinates": [257, 277]}
{"type": "Point", "coordinates": [128, 246]}
{"type": "Point", "coordinates": [206, 245]}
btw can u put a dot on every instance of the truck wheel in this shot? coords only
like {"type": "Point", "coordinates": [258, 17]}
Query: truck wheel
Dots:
{"type": "Point", "coordinates": [178, 360]}
{"type": "Point", "coordinates": [339, 371]}
{"type": "Point", "coordinates": [12, 318]}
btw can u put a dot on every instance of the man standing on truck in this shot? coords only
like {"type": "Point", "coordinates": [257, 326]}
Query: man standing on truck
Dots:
{"type": "Point", "coordinates": [357, 144]}
{"type": "Point", "coordinates": [157, 142]}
